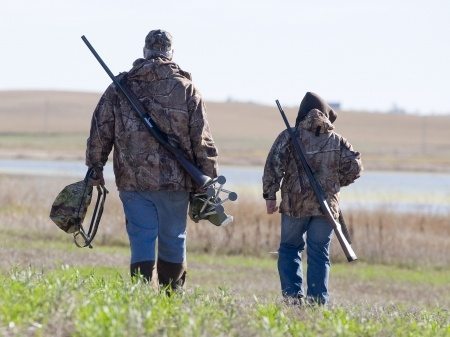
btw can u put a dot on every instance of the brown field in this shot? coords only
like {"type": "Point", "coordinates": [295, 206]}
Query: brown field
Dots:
{"type": "Point", "coordinates": [49, 124]}
{"type": "Point", "coordinates": [379, 236]}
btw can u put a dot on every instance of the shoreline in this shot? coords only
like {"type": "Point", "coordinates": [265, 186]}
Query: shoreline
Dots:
{"type": "Point", "coordinates": [399, 191]}
{"type": "Point", "coordinates": [44, 156]}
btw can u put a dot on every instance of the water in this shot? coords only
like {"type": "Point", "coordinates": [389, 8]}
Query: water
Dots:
{"type": "Point", "coordinates": [399, 191]}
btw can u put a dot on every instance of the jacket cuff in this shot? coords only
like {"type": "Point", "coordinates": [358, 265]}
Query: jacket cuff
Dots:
{"type": "Point", "coordinates": [268, 196]}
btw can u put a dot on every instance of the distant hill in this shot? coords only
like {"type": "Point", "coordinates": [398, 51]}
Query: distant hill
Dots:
{"type": "Point", "coordinates": [46, 111]}
{"type": "Point", "coordinates": [44, 121]}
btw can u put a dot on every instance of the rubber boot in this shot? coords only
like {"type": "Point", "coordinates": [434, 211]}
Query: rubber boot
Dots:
{"type": "Point", "coordinates": [144, 269]}
{"type": "Point", "coordinates": [171, 276]}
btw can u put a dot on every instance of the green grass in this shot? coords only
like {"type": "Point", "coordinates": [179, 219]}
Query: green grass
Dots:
{"type": "Point", "coordinates": [392, 273]}
{"type": "Point", "coordinates": [83, 302]}
{"type": "Point", "coordinates": [234, 260]}
{"type": "Point", "coordinates": [104, 303]}
{"type": "Point", "coordinates": [358, 322]}
{"type": "Point", "coordinates": [56, 289]}
{"type": "Point", "coordinates": [226, 296]}
{"type": "Point", "coordinates": [360, 271]}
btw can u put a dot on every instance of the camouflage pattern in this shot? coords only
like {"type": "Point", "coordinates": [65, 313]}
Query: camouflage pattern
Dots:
{"type": "Point", "coordinates": [70, 206]}
{"type": "Point", "coordinates": [158, 40]}
{"type": "Point", "coordinates": [330, 156]}
{"type": "Point", "coordinates": [176, 106]}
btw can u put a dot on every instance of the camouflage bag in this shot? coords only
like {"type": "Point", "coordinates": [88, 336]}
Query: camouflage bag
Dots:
{"type": "Point", "coordinates": [70, 207]}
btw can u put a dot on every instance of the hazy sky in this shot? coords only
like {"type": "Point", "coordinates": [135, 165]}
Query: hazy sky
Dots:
{"type": "Point", "coordinates": [366, 55]}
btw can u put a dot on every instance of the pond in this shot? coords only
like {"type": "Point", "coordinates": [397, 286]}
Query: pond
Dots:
{"type": "Point", "coordinates": [401, 191]}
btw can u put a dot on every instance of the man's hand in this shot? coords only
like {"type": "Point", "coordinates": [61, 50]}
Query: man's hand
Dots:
{"type": "Point", "coordinates": [271, 206]}
{"type": "Point", "coordinates": [97, 178]}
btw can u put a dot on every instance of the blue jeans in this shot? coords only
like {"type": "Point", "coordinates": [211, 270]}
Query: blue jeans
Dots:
{"type": "Point", "coordinates": [318, 237]}
{"type": "Point", "coordinates": [156, 215]}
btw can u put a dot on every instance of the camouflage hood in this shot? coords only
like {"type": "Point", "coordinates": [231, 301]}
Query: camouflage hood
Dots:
{"type": "Point", "coordinates": [316, 121]}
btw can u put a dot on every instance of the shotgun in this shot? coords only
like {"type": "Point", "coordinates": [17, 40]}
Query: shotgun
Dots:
{"type": "Point", "coordinates": [302, 164]}
{"type": "Point", "coordinates": [201, 179]}
{"type": "Point", "coordinates": [208, 202]}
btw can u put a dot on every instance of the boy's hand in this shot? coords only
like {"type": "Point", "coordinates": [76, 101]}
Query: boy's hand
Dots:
{"type": "Point", "coordinates": [271, 206]}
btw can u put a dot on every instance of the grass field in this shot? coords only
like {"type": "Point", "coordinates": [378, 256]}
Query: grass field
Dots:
{"type": "Point", "coordinates": [399, 287]}
{"type": "Point", "coordinates": [48, 124]}
{"type": "Point", "coordinates": [54, 289]}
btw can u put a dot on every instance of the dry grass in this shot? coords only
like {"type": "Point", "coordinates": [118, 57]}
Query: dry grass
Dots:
{"type": "Point", "coordinates": [37, 123]}
{"type": "Point", "coordinates": [389, 237]}
{"type": "Point", "coordinates": [379, 236]}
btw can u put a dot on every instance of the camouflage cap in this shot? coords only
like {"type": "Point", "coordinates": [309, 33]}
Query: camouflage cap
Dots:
{"type": "Point", "coordinates": [158, 43]}
{"type": "Point", "coordinates": [70, 206]}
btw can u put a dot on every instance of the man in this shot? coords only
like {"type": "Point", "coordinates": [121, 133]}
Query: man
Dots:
{"type": "Point", "coordinates": [153, 187]}
{"type": "Point", "coordinates": [335, 165]}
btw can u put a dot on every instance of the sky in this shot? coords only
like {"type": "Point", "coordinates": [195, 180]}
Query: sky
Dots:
{"type": "Point", "coordinates": [367, 55]}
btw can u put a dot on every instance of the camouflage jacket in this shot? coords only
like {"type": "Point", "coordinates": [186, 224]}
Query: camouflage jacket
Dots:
{"type": "Point", "coordinates": [175, 105]}
{"type": "Point", "coordinates": [330, 156]}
